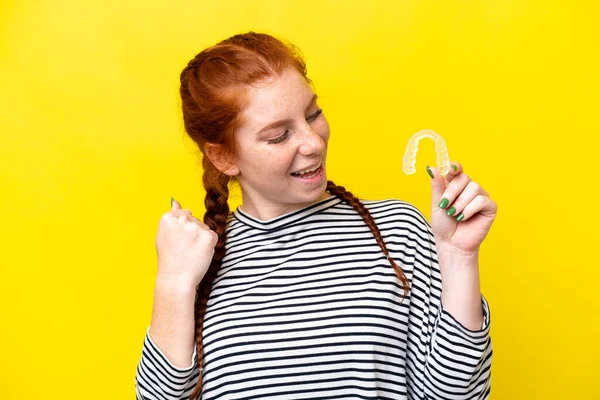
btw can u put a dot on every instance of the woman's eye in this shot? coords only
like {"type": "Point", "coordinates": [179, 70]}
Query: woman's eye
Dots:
{"type": "Point", "coordinates": [315, 115]}
{"type": "Point", "coordinates": [280, 138]}
{"type": "Point", "coordinates": [285, 134]}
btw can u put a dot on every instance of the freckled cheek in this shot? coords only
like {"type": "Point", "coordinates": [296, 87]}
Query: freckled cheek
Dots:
{"type": "Point", "coordinates": [276, 163]}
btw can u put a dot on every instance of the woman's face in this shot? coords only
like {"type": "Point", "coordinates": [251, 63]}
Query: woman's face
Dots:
{"type": "Point", "coordinates": [282, 133]}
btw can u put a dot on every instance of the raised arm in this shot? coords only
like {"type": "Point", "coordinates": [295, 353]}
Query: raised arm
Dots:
{"type": "Point", "coordinates": [168, 366]}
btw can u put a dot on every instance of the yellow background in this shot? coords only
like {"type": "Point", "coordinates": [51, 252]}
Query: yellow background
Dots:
{"type": "Point", "coordinates": [92, 148]}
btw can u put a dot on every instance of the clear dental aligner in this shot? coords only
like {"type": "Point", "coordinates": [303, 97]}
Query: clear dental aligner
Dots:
{"type": "Point", "coordinates": [410, 154]}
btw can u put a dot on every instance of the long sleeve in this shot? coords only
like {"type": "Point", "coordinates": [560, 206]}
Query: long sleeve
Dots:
{"type": "Point", "coordinates": [158, 379]}
{"type": "Point", "coordinates": [446, 360]}
{"type": "Point", "coordinates": [459, 360]}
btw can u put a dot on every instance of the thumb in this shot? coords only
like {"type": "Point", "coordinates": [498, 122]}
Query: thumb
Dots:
{"type": "Point", "coordinates": [438, 186]}
{"type": "Point", "coordinates": [175, 204]}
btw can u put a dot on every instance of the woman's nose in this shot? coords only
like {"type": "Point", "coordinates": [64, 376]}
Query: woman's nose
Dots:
{"type": "Point", "coordinates": [310, 142]}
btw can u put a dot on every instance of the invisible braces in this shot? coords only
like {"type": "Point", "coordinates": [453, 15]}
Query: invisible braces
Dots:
{"type": "Point", "coordinates": [410, 154]}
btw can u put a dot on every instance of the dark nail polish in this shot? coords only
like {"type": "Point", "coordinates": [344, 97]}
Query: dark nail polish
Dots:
{"type": "Point", "coordinates": [429, 172]}
{"type": "Point", "coordinates": [454, 167]}
{"type": "Point", "coordinates": [444, 203]}
{"type": "Point", "coordinates": [451, 211]}
{"type": "Point", "coordinates": [460, 217]}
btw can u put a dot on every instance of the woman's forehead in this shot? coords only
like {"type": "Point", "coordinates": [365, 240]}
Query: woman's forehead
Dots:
{"type": "Point", "coordinates": [283, 97]}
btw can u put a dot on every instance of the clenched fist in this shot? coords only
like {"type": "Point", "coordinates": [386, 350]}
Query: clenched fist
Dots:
{"type": "Point", "coordinates": [184, 246]}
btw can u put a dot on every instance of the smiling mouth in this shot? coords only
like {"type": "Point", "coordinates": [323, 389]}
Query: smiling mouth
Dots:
{"type": "Point", "coordinates": [309, 173]}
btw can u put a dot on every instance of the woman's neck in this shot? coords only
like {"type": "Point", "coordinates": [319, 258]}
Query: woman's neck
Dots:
{"type": "Point", "coordinates": [268, 211]}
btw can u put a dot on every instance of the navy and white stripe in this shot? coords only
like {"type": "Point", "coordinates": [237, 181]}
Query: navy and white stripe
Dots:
{"type": "Point", "coordinates": [306, 306]}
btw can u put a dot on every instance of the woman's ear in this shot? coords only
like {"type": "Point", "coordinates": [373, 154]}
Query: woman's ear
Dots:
{"type": "Point", "coordinates": [221, 159]}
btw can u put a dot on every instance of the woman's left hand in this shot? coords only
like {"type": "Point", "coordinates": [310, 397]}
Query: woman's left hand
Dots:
{"type": "Point", "coordinates": [462, 212]}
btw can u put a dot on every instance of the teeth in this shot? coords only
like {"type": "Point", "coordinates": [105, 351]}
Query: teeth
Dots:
{"type": "Point", "coordinates": [304, 171]}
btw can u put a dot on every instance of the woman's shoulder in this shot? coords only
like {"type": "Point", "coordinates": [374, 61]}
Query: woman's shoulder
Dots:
{"type": "Point", "coordinates": [390, 204]}
{"type": "Point", "coordinates": [396, 209]}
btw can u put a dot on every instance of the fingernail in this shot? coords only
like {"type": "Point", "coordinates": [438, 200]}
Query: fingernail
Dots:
{"type": "Point", "coordinates": [429, 172]}
{"type": "Point", "coordinates": [172, 202]}
{"type": "Point", "coordinates": [460, 217]}
{"type": "Point", "coordinates": [454, 167]}
{"type": "Point", "coordinates": [443, 203]}
{"type": "Point", "coordinates": [451, 211]}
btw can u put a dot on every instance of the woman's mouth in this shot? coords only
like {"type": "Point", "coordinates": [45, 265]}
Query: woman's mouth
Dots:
{"type": "Point", "coordinates": [309, 173]}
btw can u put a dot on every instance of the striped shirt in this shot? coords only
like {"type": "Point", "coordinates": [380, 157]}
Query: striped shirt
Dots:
{"type": "Point", "coordinates": [307, 306]}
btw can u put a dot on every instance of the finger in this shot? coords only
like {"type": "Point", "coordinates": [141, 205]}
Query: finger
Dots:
{"type": "Point", "coordinates": [200, 223]}
{"type": "Point", "coordinates": [452, 190]}
{"type": "Point", "coordinates": [175, 204]}
{"type": "Point", "coordinates": [438, 185]}
{"type": "Point", "coordinates": [482, 205]}
{"type": "Point", "coordinates": [184, 216]}
{"type": "Point", "coordinates": [454, 170]}
{"type": "Point", "coordinates": [181, 211]}
{"type": "Point", "coordinates": [466, 196]}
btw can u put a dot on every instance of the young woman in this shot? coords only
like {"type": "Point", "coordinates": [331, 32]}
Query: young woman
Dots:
{"type": "Point", "coordinates": [305, 291]}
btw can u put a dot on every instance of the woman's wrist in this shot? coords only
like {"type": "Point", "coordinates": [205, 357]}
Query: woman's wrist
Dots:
{"type": "Point", "coordinates": [179, 284]}
{"type": "Point", "coordinates": [461, 293]}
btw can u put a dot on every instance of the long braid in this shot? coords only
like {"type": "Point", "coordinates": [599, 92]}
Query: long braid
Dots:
{"type": "Point", "coordinates": [217, 211]}
{"type": "Point", "coordinates": [349, 198]}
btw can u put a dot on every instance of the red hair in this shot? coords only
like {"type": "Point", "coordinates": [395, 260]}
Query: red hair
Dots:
{"type": "Point", "coordinates": [214, 92]}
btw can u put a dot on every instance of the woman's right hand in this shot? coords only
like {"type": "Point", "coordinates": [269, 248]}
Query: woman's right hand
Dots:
{"type": "Point", "coordinates": [184, 246]}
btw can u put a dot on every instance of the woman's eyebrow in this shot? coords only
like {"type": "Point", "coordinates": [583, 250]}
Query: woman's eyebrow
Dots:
{"type": "Point", "coordinates": [285, 121]}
